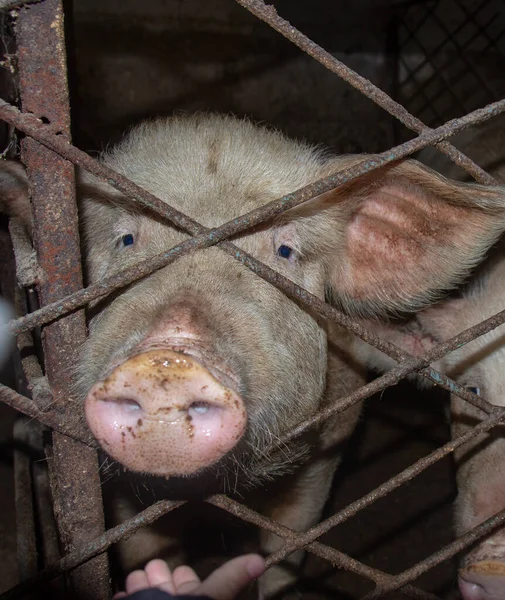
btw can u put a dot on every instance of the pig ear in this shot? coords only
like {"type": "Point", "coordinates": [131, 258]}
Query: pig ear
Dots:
{"type": "Point", "coordinates": [409, 234]}
{"type": "Point", "coordinates": [14, 195]}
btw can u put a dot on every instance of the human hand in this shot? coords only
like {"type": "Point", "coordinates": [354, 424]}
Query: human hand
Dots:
{"type": "Point", "coordinates": [223, 584]}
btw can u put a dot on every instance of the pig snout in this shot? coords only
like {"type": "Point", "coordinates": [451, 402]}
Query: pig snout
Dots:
{"type": "Point", "coordinates": [163, 413]}
{"type": "Point", "coordinates": [484, 580]}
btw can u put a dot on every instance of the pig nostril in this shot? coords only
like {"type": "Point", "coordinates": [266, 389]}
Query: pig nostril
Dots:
{"type": "Point", "coordinates": [127, 404]}
{"type": "Point", "coordinates": [200, 408]}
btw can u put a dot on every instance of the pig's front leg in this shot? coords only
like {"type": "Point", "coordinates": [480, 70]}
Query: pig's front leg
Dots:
{"type": "Point", "coordinates": [299, 508]}
{"type": "Point", "coordinates": [481, 494]}
{"type": "Point", "coordinates": [301, 504]}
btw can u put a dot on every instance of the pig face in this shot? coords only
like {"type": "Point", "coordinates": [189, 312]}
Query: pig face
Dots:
{"type": "Point", "coordinates": [203, 363]}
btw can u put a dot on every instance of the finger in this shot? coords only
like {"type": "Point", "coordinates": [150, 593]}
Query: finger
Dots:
{"type": "Point", "coordinates": [136, 580]}
{"type": "Point", "coordinates": [159, 575]}
{"type": "Point", "coordinates": [185, 580]}
{"type": "Point", "coordinates": [227, 581]}
{"type": "Point", "coordinates": [119, 595]}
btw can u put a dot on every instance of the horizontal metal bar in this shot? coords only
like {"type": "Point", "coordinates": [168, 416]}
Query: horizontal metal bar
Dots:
{"type": "Point", "coordinates": [268, 14]}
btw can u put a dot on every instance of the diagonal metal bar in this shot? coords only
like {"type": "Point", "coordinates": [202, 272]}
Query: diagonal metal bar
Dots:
{"type": "Point", "coordinates": [157, 510]}
{"type": "Point", "coordinates": [448, 551]}
{"type": "Point", "coordinates": [80, 432]}
{"type": "Point", "coordinates": [93, 548]}
{"type": "Point", "coordinates": [42, 133]}
{"type": "Point", "coordinates": [54, 419]}
{"type": "Point", "coordinates": [268, 14]}
{"type": "Point", "coordinates": [405, 368]}
{"type": "Point", "coordinates": [245, 259]}
{"type": "Point", "coordinates": [337, 558]}
{"type": "Point", "coordinates": [286, 285]}
{"type": "Point", "coordinates": [497, 417]}
{"type": "Point", "coordinates": [431, 54]}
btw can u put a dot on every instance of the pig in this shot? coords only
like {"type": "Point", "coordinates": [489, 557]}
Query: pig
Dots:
{"type": "Point", "coordinates": [479, 366]}
{"type": "Point", "coordinates": [189, 375]}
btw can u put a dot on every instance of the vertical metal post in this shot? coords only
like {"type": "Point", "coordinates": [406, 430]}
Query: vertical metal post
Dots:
{"type": "Point", "coordinates": [44, 92]}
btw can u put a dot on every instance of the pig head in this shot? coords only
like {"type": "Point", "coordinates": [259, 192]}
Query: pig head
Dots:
{"type": "Point", "coordinates": [251, 363]}
{"type": "Point", "coordinates": [202, 365]}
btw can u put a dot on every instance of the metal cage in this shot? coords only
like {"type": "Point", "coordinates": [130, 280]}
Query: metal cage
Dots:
{"type": "Point", "coordinates": [55, 271]}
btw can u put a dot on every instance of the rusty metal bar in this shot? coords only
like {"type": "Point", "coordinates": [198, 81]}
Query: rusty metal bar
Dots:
{"type": "Point", "coordinates": [407, 474]}
{"type": "Point", "coordinates": [397, 373]}
{"type": "Point", "coordinates": [475, 534]}
{"type": "Point", "coordinates": [247, 259]}
{"type": "Point", "coordinates": [93, 548]}
{"type": "Point", "coordinates": [44, 92]}
{"type": "Point", "coordinates": [268, 14]}
{"type": "Point", "coordinates": [352, 509]}
{"type": "Point", "coordinates": [390, 378]}
{"type": "Point", "coordinates": [332, 555]}
{"type": "Point", "coordinates": [157, 510]}
{"type": "Point", "coordinates": [52, 419]}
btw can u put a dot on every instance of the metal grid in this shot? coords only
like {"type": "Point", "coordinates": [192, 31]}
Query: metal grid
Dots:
{"type": "Point", "coordinates": [48, 142]}
{"type": "Point", "coordinates": [441, 44]}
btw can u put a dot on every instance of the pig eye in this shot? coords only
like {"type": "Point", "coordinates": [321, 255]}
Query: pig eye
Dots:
{"type": "Point", "coordinates": [127, 239]}
{"type": "Point", "coordinates": [475, 390]}
{"type": "Point", "coordinates": [284, 251]}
